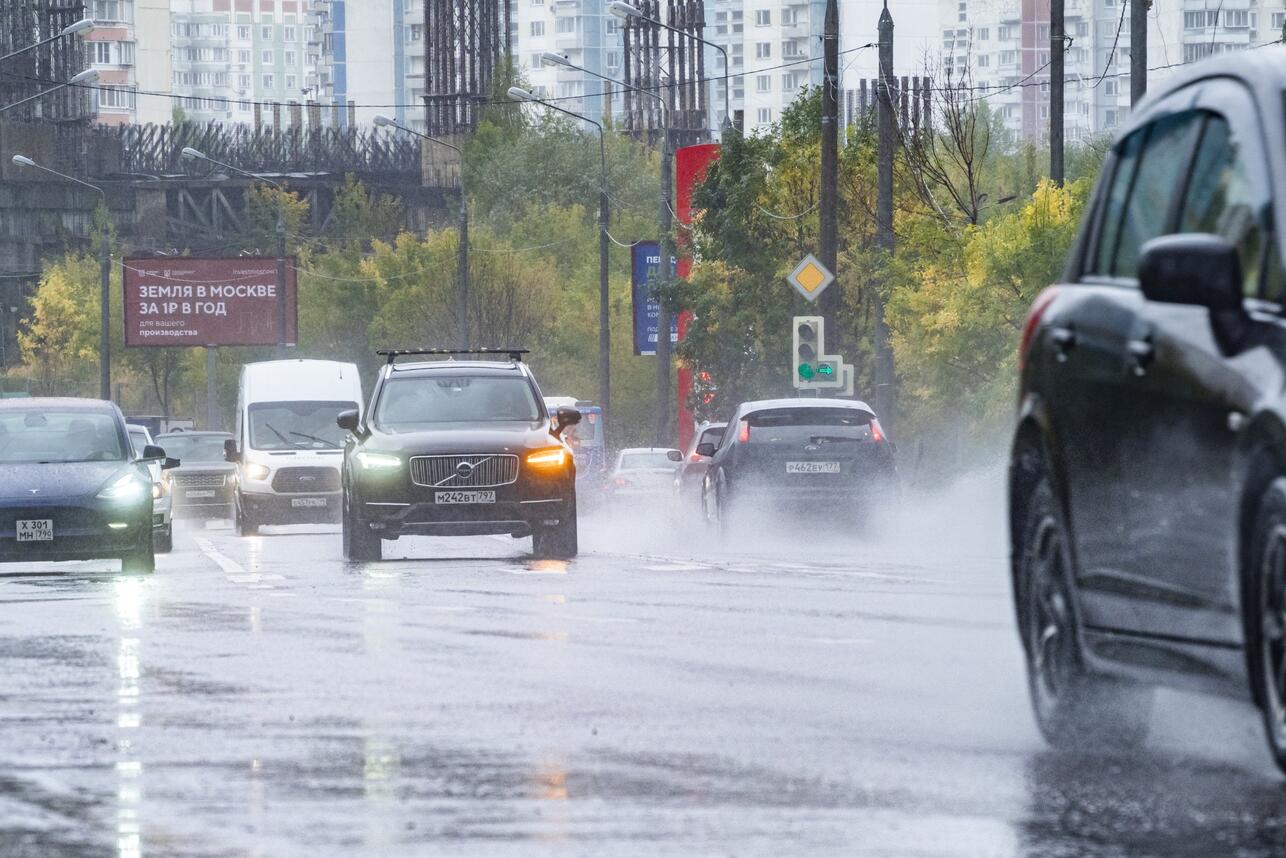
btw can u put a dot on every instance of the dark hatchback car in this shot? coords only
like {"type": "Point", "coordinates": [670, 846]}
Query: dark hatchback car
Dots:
{"type": "Point", "coordinates": [1148, 474]}
{"type": "Point", "coordinates": [458, 447]}
{"type": "Point", "coordinates": [826, 460]}
{"type": "Point", "coordinates": [71, 487]}
{"type": "Point", "coordinates": [202, 485]}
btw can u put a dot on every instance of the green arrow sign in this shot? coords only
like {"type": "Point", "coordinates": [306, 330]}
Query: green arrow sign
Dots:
{"type": "Point", "coordinates": [826, 369]}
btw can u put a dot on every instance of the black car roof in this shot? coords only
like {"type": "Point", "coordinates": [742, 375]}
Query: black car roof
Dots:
{"type": "Point", "coordinates": [65, 403]}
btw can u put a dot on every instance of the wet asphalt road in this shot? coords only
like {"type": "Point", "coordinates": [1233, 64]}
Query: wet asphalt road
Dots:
{"type": "Point", "coordinates": [798, 695]}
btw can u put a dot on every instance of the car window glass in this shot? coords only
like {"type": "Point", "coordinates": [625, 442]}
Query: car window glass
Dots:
{"type": "Point", "coordinates": [711, 436]}
{"type": "Point", "coordinates": [193, 448]}
{"type": "Point", "coordinates": [1151, 200]}
{"type": "Point", "coordinates": [649, 460]}
{"type": "Point", "coordinates": [1127, 159]}
{"type": "Point", "coordinates": [138, 441]}
{"type": "Point", "coordinates": [1220, 198]}
{"type": "Point", "coordinates": [424, 400]}
{"type": "Point", "coordinates": [304, 425]}
{"type": "Point", "coordinates": [50, 435]}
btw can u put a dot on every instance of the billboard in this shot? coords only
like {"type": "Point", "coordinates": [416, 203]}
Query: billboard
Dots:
{"type": "Point", "coordinates": [645, 259]}
{"type": "Point", "coordinates": [206, 301]}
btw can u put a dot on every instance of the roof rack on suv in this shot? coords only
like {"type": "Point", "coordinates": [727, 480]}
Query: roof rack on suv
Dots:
{"type": "Point", "coordinates": [391, 355]}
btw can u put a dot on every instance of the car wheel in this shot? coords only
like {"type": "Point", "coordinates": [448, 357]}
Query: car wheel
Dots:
{"type": "Point", "coordinates": [559, 542]}
{"type": "Point", "coordinates": [163, 539]}
{"type": "Point", "coordinates": [245, 526]}
{"type": "Point", "coordinates": [140, 562]}
{"type": "Point", "coordinates": [1073, 706]}
{"type": "Point", "coordinates": [710, 505]}
{"type": "Point", "coordinates": [1266, 616]}
{"type": "Point", "coordinates": [361, 544]}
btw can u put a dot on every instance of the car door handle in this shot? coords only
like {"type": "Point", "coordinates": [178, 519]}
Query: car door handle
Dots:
{"type": "Point", "coordinates": [1064, 340]}
{"type": "Point", "coordinates": [1142, 353]}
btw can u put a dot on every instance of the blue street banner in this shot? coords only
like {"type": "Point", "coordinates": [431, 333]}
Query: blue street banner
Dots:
{"type": "Point", "coordinates": [646, 266]}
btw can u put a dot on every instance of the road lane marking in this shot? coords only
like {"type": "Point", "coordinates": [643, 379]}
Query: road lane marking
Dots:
{"type": "Point", "coordinates": [235, 572]}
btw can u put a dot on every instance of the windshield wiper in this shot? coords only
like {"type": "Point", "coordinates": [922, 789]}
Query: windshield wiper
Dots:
{"type": "Point", "coordinates": [325, 441]}
{"type": "Point", "coordinates": [295, 445]}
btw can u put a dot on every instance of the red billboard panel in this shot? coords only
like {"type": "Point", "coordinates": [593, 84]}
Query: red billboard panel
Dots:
{"type": "Point", "coordinates": [206, 301]}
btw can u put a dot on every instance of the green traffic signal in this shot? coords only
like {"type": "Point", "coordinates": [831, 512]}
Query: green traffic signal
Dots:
{"type": "Point", "coordinates": [806, 371]}
{"type": "Point", "coordinates": [826, 369]}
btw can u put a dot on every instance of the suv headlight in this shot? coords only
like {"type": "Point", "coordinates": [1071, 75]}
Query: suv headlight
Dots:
{"type": "Point", "coordinates": [551, 458]}
{"type": "Point", "coordinates": [160, 489]}
{"type": "Point", "coordinates": [378, 461]}
{"type": "Point", "coordinates": [258, 472]}
{"type": "Point", "coordinates": [125, 489]}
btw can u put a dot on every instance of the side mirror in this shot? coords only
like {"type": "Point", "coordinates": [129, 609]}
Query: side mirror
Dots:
{"type": "Point", "coordinates": [1192, 268]}
{"type": "Point", "coordinates": [347, 420]}
{"type": "Point", "coordinates": [674, 455]}
{"type": "Point", "coordinates": [706, 450]}
{"type": "Point", "coordinates": [565, 417]}
{"type": "Point", "coordinates": [168, 464]}
{"type": "Point", "coordinates": [230, 452]}
{"type": "Point", "coordinates": [152, 453]}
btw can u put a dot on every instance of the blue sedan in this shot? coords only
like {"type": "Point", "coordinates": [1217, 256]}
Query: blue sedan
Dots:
{"type": "Point", "coordinates": [71, 487]}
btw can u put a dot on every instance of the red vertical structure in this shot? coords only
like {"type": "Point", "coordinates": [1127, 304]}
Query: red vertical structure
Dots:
{"type": "Point", "coordinates": [690, 165]}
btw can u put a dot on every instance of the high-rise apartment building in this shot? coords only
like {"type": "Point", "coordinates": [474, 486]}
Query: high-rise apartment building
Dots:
{"type": "Point", "coordinates": [370, 55]}
{"type": "Point", "coordinates": [130, 49]}
{"type": "Point", "coordinates": [581, 30]}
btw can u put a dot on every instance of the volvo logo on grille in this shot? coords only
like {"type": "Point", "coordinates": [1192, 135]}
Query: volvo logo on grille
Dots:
{"type": "Point", "coordinates": [464, 469]}
{"type": "Point", "coordinates": [34, 491]}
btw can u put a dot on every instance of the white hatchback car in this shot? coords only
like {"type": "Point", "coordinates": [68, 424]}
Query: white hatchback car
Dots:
{"type": "Point", "coordinates": [162, 493]}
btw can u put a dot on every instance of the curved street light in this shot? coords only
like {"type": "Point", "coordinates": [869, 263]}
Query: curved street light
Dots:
{"type": "Point", "coordinates": [89, 76]}
{"type": "Point", "coordinates": [462, 263]}
{"type": "Point", "coordinates": [604, 222]}
{"type": "Point", "coordinates": [84, 25]}
{"type": "Point", "coordinates": [105, 285]}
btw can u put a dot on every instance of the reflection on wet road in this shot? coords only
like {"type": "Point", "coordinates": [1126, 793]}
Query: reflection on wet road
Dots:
{"type": "Point", "coordinates": [800, 696]}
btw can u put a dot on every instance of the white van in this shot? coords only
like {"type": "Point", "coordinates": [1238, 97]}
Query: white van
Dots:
{"type": "Point", "coordinates": [288, 450]}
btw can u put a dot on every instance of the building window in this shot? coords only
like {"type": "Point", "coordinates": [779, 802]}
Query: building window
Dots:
{"type": "Point", "coordinates": [266, 57]}
{"type": "Point", "coordinates": [291, 57]}
{"type": "Point", "coordinates": [983, 34]}
{"type": "Point", "coordinates": [763, 17]}
{"type": "Point", "coordinates": [243, 32]}
{"type": "Point", "coordinates": [288, 33]}
{"type": "Point", "coordinates": [268, 82]}
{"type": "Point", "coordinates": [1004, 33]}
{"type": "Point", "coordinates": [291, 83]}
{"type": "Point", "coordinates": [1110, 87]}
{"type": "Point", "coordinates": [417, 32]}
{"type": "Point", "coordinates": [265, 33]}
{"type": "Point", "coordinates": [243, 57]}
{"type": "Point", "coordinates": [763, 50]}
{"type": "Point", "coordinates": [1238, 19]}
{"type": "Point", "coordinates": [983, 61]}
{"type": "Point", "coordinates": [538, 28]}
{"type": "Point", "coordinates": [116, 97]}
{"type": "Point", "coordinates": [113, 10]}
{"type": "Point", "coordinates": [765, 115]}
{"type": "Point", "coordinates": [565, 24]}
{"type": "Point", "coordinates": [1109, 119]}
{"type": "Point", "coordinates": [763, 83]}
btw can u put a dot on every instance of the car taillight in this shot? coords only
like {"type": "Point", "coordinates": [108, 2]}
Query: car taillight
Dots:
{"type": "Point", "coordinates": [621, 481]}
{"type": "Point", "coordinates": [1038, 308]}
{"type": "Point", "coordinates": [743, 434]}
{"type": "Point", "coordinates": [877, 431]}
{"type": "Point", "coordinates": [696, 457]}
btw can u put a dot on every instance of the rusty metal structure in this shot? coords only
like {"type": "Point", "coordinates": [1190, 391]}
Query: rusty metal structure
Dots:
{"type": "Point", "coordinates": [912, 99]}
{"type": "Point", "coordinates": [465, 41]}
{"type": "Point", "coordinates": [24, 23]}
{"type": "Point", "coordinates": [673, 64]}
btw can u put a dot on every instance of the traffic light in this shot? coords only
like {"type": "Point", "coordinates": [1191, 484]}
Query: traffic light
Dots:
{"type": "Point", "coordinates": [813, 368]}
{"type": "Point", "coordinates": [810, 333]}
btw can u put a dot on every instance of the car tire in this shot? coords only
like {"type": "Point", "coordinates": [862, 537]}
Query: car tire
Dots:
{"type": "Point", "coordinates": [141, 561]}
{"type": "Point", "coordinates": [1265, 615]}
{"type": "Point", "coordinates": [163, 539]}
{"type": "Point", "coordinates": [361, 544]}
{"type": "Point", "coordinates": [559, 542]}
{"type": "Point", "coordinates": [1074, 708]}
{"type": "Point", "coordinates": [244, 525]}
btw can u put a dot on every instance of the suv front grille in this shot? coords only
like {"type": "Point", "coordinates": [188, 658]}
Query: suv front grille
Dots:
{"type": "Point", "coordinates": [200, 481]}
{"type": "Point", "coordinates": [482, 470]}
{"type": "Point", "coordinates": [288, 480]}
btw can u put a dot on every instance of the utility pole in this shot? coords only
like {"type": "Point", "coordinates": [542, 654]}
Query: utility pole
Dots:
{"type": "Point", "coordinates": [663, 312]}
{"type": "Point", "coordinates": [281, 276]}
{"type": "Point", "coordinates": [211, 389]}
{"type": "Point", "coordinates": [884, 238]}
{"type": "Point", "coordinates": [1138, 50]}
{"type": "Point", "coordinates": [1056, 53]}
{"type": "Point", "coordinates": [828, 215]}
{"type": "Point", "coordinates": [104, 309]}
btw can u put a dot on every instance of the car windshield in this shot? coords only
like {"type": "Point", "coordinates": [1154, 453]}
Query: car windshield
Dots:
{"type": "Point", "coordinates": [297, 425]}
{"type": "Point", "coordinates": [711, 436]}
{"type": "Point", "coordinates": [32, 435]}
{"type": "Point", "coordinates": [790, 424]}
{"type": "Point", "coordinates": [424, 400]}
{"type": "Point", "coordinates": [645, 460]}
{"type": "Point", "coordinates": [589, 432]}
{"type": "Point", "coordinates": [191, 449]}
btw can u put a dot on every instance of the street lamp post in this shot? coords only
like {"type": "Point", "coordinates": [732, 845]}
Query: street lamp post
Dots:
{"type": "Point", "coordinates": [462, 262]}
{"type": "Point", "coordinates": [625, 10]}
{"type": "Point", "coordinates": [87, 77]}
{"type": "Point", "coordinates": [550, 58]}
{"type": "Point", "coordinates": [105, 286]}
{"type": "Point", "coordinates": [189, 152]}
{"type": "Point", "coordinates": [604, 222]}
{"type": "Point", "coordinates": [82, 26]}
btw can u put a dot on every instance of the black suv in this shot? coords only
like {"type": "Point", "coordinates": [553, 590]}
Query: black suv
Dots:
{"type": "Point", "coordinates": [457, 448]}
{"type": "Point", "coordinates": [1148, 474]}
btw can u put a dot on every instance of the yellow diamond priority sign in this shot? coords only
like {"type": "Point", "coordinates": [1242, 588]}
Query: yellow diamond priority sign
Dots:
{"type": "Point", "coordinates": [810, 278]}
